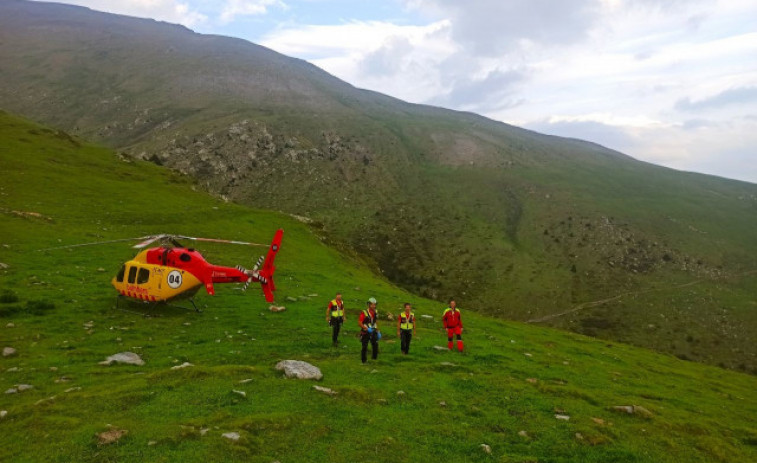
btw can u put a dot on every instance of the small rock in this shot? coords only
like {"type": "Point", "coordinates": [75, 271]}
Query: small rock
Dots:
{"type": "Point", "coordinates": [242, 393]}
{"type": "Point", "coordinates": [10, 325]}
{"type": "Point", "coordinates": [299, 369]}
{"type": "Point", "coordinates": [183, 365]}
{"type": "Point", "coordinates": [291, 299]}
{"type": "Point", "coordinates": [3, 413]}
{"type": "Point", "coordinates": [325, 390]}
{"type": "Point", "coordinates": [579, 436]}
{"type": "Point", "coordinates": [598, 420]}
{"type": "Point", "coordinates": [374, 371]}
{"type": "Point", "coordinates": [204, 431]}
{"type": "Point", "coordinates": [440, 348]}
{"type": "Point", "coordinates": [233, 436]}
{"type": "Point", "coordinates": [9, 351]}
{"type": "Point", "coordinates": [245, 381]}
{"type": "Point", "coordinates": [151, 443]}
{"type": "Point", "coordinates": [12, 390]}
{"type": "Point", "coordinates": [528, 355]}
{"type": "Point", "coordinates": [89, 324]}
{"type": "Point", "coordinates": [129, 358]}
{"type": "Point", "coordinates": [12, 369]}
{"type": "Point", "coordinates": [486, 449]}
{"type": "Point", "coordinates": [389, 316]}
{"type": "Point", "coordinates": [62, 379]}
{"type": "Point", "coordinates": [427, 317]}
{"type": "Point", "coordinates": [53, 368]}
{"type": "Point", "coordinates": [400, 393]}
{"type": "Point", "coordinates": [100, 269]}
{"type": "Point", "coordinates": [523, 434]}
{"type": "Point", "coordinates": [447, 364]}
{"type": "Point", "coordinates": [41, 401]}
{"type": "Point", "coordinates": [187, 323]}
{"type": "Point", "coordinates": [532, 380]}
{"type": "Point", "coordinates": [24, 387]}
{"type": "Point", "coordinates": [276, 309]}
{"type": "Point", "coordinates": [72, 389]}
{"type": "Point", "coordinates": [624, 408]}
{"type": "Point", "coordinates": [313, 295]}
{"type": "Point", "coordinates": [442, 404]}
{"type": "Point", "coordinates": [562, 417]}
{"type": "Point", "coordinates": [111, 436]}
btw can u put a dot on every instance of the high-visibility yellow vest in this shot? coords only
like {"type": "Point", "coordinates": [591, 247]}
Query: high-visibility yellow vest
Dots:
{"type": "Point", "coordinates": [407, 321]}
{"type": "Point", "coordinates": [337, 310]}
{"type": "Point", "coordinates": [369, 321]}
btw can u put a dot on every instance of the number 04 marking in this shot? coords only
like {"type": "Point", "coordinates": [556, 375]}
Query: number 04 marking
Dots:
{"type": "Point", "coordinates": [174, 279]}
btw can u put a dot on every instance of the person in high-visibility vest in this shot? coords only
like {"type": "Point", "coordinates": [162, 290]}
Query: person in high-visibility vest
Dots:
{"type": "Point", "coordinates": [369, 330]}
{"type": "Point", "coordinates": [453, 324]}
{"type": "Point", "coordinates": [406, 328]}
{"type": "Point", "coordinates": [335, 316]}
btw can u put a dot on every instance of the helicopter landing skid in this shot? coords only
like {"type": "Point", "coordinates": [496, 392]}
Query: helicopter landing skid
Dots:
{"type": "Point", "coordinates": [154, 304]}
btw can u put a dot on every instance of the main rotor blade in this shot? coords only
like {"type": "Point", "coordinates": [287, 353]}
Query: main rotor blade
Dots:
{"type": "Point", "coordinates": [148, 240]}
{"type": "Point", "coordinates": [93, 244]}
{"type": "Point", "coordinates": [214, 240]}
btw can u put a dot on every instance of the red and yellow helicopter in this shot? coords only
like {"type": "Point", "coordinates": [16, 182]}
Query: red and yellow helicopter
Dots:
{"type": "Point", "coordinates": [172, 271]}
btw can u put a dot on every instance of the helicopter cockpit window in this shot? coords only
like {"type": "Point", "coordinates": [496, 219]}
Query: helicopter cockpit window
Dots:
{"type": "Point", "coordinates": [120, 276]}
{"type": "Point", "coordinates": [132, 274]}
{"type": "Point", "coordinates": [143, 277]}
{"type": "Point", "coordinates": [185, 257]}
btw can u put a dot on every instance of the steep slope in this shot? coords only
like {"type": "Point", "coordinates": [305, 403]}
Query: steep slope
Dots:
{"type": "Point", "coordinates": [57, 311]}
{"type": "Point", "coordinates": [514, 223]}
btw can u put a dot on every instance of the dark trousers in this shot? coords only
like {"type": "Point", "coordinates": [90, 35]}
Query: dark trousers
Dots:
{"type": "Point", "coordinates": [405, 337]}
{"type": "Point", "coordinates": [373, 339]}
{"type": "Point", "coordinates": [336, 324]}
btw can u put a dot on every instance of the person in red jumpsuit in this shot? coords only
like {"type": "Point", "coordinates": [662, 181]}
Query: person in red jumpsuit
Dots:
{"type": "Point", "coordinates": [453, 324]}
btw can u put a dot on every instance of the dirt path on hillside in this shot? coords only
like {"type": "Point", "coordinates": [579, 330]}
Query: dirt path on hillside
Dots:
{"type": "Point", "coordinates": [586, 305]}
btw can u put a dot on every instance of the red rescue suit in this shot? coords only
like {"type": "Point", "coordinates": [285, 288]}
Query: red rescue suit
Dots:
{"type": "Point", "coordinates": [454, 326]}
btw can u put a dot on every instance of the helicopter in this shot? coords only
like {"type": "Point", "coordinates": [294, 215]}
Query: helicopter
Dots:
{"type": "Point", "coordinates": [171, 271]}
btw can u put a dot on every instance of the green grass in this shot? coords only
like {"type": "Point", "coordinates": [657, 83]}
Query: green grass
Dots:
{"type": "Point", "coordinates": [513, 377]}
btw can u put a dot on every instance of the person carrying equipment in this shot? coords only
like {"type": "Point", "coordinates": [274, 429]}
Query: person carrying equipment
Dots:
{"type": "Point", "coordinates": [406, 328]}
{"type": "Point", "coordinates": [335, 317]}
{"type": "Point", "coordinates": [453, 324]}
{"type": "Point", "coordinates": [369, 330]}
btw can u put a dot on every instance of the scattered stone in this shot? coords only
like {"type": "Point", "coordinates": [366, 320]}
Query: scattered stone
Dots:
{"type": "Point", "coordinates": [242, 393]}
{"type": "Point", "coordinates": [374, 371]}
{"type": "Point", "coordinates": [72, 389]}
{"type": "Point", "coordinates": [53, 368]}
{"type": "Point", "coordinates": [187, 323]}
{"type": "Point", "coordinates": [357, 288]}
{"type": "Point", "coordinates": [299, 369]}
{"type": "Point", "coordinates": [62, 379]}
{"type": "Point", "coordinates": [9, 351]}
{"type": "Point", "coordinates": [523, 434]}
{"type": "Point", "coordinates": [276, 309]}
{"type": "Point", "coordinates": [532, 380]}
{"type": "Point", "coordinates": [100, 269]}
{"type": "Point", "coordinates": [245, 381]}
{"type": "Point", "coordinates": [183, 365]}
{"type": "Point", "coordinates": [313, 295]}
{"type": "Point", "coordinates": [129, 358]}
{"type": "Point", "coordinates": [599, 421]}
{"type": "Point", "coordinates": [12, 390]}
{"type": "Point", "coordinates": [579, 436]}
{"type": "Point", "coordinates": [4, 266]}
{"type": "Point", "coordinates": [325, 390]}
{"type": "Point", "coordinates": [303, 298]}
{"type": "Point", "coordinates": [3, 413]}
{"type": "Point", "coordinates": [24, 387]}
{"type": "Point", "coordinates": [151, 443]}
{"type": "Point", "coordinates": [633, 410]}
{"type": "Point", "coordinates": [389, 316]}
{"type": "Point", "coordinates": [440, 348]}
{"type": "Point", "coordinates": [111, 436]}
{"type": "Point", "coordinates": [400, 393]}
{"type": "Point", "coordinates": [89, 324]}
{"type": "Point", "coordinates": [291, 299]}
{"type": "Point", "coordinates": [12, 369]}
{"type": "Point", "coordinates": [10, 325]}
{"type": "Point", "coordinates": [232, 436]}
{"type": "Point", "coordinates": [427, 317]}
{"type": "Point", "coordinates": [204, 431]}
{"type": "Point", "coordinates": [383, 401]}
{"type": "Point", "coordinates": [443, 403]}
{"type": "Point", "coordinates": [486, 449]}
{"type": "Point", "coordinates": [41, 401]}
{"type": "Point", "coordinates": [562, 417]}
{"type": "Point", "coordinates": [528, 354]}
{"type": "Point", "coordinates": [447, 364]}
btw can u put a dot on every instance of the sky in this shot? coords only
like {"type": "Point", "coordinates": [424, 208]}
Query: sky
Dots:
{"type": "Point", "coordinates": [671, 82]}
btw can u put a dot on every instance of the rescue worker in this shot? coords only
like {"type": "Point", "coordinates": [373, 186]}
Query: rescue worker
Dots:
{"type": "Point", "coordinates": [453, 324]}
{"type": "Point", "coordinates": [369, 330]}
{"type": "Point", "coordinates": [335, 317]}
{"type": "Point", "coordinates": [406, 327]}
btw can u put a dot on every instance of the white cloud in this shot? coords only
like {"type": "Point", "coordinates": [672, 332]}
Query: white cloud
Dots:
{"type": "Point", "coordinates": [233, 8]}
{"type": "Point", "coordinates": [174, 11]}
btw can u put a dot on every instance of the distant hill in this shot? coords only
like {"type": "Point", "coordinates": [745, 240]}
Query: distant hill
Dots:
{"type": "Point", "coordinates": [513, 223]}
{"type": "Point", "coordinates": [528, 393]}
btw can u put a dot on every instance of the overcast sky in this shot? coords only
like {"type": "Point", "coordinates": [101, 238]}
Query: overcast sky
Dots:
{"type": "Point", "coordinates": [673, 82]}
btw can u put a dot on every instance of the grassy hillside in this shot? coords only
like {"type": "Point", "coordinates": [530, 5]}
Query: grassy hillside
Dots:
{"type": "Point", "coordinates": [516, 224]}
{"type": "Point", "coordinates": [57, 310]}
